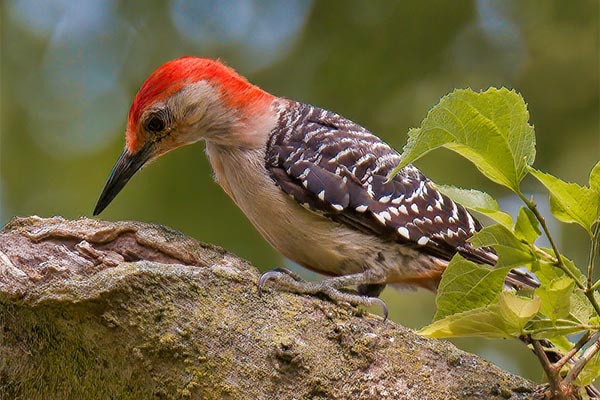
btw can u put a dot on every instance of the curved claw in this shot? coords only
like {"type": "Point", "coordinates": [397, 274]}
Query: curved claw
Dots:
{"type": "Point", "coordinates": [276, 272]}
{"type": "Point", "coordinates": [381, 303]}
{"type": "Point", "coordinates": [288, 272]}
{"type": "Point", "coordinates": [265, 277]}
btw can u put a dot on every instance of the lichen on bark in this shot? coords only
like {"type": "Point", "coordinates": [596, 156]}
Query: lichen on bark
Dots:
{"type": "Point", "coordinates": [92, 309]}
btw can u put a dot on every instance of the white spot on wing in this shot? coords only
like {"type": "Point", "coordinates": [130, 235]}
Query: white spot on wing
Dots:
{"type": "Point", "coordinates": [404, 232]}
{"type": "Point", "coordinates": [321, 195]}
{"type": "Point", "coordinates": [454, 210]}
{"type": "Point", "coordinates": [370, 191]}
{"type": "Point", "coordinates": [423, 240]}
{"type": "Point", "coordinates": [304, 173]}
{"type": "Point", "coordinates": [471, 223]}
{"type": "Point", "coordinates": [363, 159]}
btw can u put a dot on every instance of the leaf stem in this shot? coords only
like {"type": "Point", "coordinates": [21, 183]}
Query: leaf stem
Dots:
{"type": "Point", "coordinates": [587, 356]}
{"type": "Point", "coordinates": [559, 262]}
{"type": "Point", "coordinates": [544, 255]}
{"type": "Point", "coordinates": [533, 207]}
{"type": "Point", "coordinates": [566, 329]}
{"type": "Point", "coordinates": [553, 378]}
{"type": "Point", "coordinates": [591, 288]}
{"type": "Point", "coordinates": [593, 252]}
{"type": "Point", "coordinates": [569, 354]}
{"type": "Point", "coordinates": [590, 295]}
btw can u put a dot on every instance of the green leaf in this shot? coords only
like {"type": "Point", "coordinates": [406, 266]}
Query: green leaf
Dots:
{"type": "Point", "coordinates": [503, 319]}
{"type": "Point", "coordinates": [547, 329]}
{"type": "Point", "coordinates": [573, 268]}
{"type": "Point", "coordinates": [580, 307]}
{"type": "Point", "coordinates": [595, 186]}
{"type": "Point", "coordinates": [466, 286]}
{"type": "Point", "coordinates": [555, 296]}
{"type": "Point", "coordinates": [590, 372]}
{"type": "Point", "coordinates": [511, 251]}
{"type": "Point", "coordinates": [595, 178]}
{"type": "Point", "coordinates": [488, 128]}
{"type": "Point", "coordinates": [547, 272]}
{"type": "Point", "coordinates": [555, 291]}
{"type": "Point", "coordinates": [562, 343]}
{"type": "Point", "coordinates": [518, 310]}
{"type": "Point", "coordinates": [570, 202]}
{"type": "Point", "coordinates": [480, 202]}
{"type": "Point", "coordinates": [527, 226]}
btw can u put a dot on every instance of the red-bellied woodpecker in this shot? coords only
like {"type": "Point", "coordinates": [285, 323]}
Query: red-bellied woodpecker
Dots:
{"type": "Point", "coordinates": [312, 182]}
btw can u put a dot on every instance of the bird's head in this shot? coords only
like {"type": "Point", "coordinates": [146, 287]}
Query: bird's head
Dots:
{"type": "Point", "coordinates": [186, 100]}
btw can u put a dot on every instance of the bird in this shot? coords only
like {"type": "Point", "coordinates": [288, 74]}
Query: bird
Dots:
{"type": "Point", "coordinates": [313, 183]}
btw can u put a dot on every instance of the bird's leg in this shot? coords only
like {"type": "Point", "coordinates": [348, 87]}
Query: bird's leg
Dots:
{"type": "Point", "coordinates": [368, 285]}
{"type": "Point", "coordinates": [370, 289]}
{"type": "Point", "coordinates": [275, 274]}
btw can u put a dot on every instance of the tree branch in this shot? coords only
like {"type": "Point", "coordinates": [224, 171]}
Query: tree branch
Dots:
{"type": "Point", "coordinates": [92, 309]}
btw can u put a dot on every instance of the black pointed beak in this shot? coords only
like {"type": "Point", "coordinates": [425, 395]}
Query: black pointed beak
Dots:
{"type": "Point", "coordinates": [126, 166]}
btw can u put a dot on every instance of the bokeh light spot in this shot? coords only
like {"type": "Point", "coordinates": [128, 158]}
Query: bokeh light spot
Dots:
{"type": "Point", "coordinates": [261, 30]}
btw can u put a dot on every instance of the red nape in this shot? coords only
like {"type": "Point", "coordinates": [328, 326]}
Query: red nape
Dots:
{"type": "Point", "coordinates": [173, 75]}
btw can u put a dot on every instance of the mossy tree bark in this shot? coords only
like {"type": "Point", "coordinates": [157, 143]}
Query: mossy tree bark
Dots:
{"type": "Point", "coordinates": [95, 310]}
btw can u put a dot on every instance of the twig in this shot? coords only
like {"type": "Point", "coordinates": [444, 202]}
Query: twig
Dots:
{"type": "Point", "coordinates": [590, 295]}
{"type": "Point", "coordinates": [569, 354]}
{"type": "Point", "coordinates": [583, 360]}
{"type": "Point", "coordinates": [553, 378]}
{"type": "Point", "coordinates": [559, 262]}
{"type": "Point", "coordinates": [593, 252]}
{"type": "Point", "coordinates": [565, 330]}
{"type": "Point", "coordinates": [589, 292]}
{"type": "Point", "coordinates": [553, 371]}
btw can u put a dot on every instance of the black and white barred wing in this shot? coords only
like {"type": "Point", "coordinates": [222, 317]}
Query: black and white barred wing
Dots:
{"type": "Point", "coordinates": [339, 169]}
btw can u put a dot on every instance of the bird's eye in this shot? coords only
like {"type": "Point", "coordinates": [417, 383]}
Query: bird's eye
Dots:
{"type": "Point", "coordinates": [155, 124]}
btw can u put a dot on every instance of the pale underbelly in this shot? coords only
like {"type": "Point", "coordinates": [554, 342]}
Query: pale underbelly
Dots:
{"type": "Point", "coordinates": [311, 239]}
{"type": "Point", "coordinates": [324, 246]}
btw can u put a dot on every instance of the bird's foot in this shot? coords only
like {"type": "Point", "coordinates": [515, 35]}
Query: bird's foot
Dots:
{"type": "Point", "coordinates": [277, 274]}
{"type": "Point", "coordinates": [332, 288]}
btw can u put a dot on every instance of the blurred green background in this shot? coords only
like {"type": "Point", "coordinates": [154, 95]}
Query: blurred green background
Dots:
{"type": "Point", "coordinates": [71, 68]}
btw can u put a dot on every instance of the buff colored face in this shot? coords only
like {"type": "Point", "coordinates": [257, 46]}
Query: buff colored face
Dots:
{"type": "Point", "coordinates": [183, 101]}
{"type": "Point", "coordinates": [183, 118]}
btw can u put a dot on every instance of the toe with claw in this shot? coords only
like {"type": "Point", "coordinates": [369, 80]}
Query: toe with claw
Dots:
{"type": "Point", "coordinates": [332, 288]}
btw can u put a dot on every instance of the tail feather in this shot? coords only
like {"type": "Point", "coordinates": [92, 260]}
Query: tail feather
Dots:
{"type": "Point", "coordinates": [521, 279]}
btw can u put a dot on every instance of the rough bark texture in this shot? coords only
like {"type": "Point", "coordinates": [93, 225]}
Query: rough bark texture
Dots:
{"type": "Point", "coordinates": [126, 310]}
